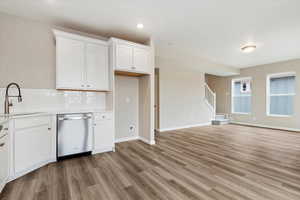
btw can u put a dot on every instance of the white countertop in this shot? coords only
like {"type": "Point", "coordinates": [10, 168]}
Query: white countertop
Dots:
{"type": "Point", "coordinates": [80, 111]}
{"type": "Point", "coordinates": [5, 118]}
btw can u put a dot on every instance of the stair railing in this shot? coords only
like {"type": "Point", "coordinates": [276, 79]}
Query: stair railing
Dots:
{"type": "Point", "coordinates": [210, 99]}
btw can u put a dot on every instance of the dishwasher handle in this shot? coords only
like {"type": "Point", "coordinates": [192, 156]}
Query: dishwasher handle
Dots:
{"type": "Point", "coordinates": [74, 118]}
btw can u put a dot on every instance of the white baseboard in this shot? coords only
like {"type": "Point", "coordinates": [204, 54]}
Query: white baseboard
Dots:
{"type": "Point", "coordinates": [266, 126]}
{"type": "Point", "coordinates": [151, 142]}
{"type": "Point", "coordinates": [125, 139]}
{"type": "Point", "coordinates": [183, 127]}
{"type": "Point", "coordinates": [103, 150]}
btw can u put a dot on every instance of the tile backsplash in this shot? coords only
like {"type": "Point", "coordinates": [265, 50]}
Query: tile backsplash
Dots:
{"type": "Point", "coordinates": [35, 100]}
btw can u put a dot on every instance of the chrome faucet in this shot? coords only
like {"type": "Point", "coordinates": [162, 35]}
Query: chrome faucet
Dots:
{"type": "Point", "coordinates": [8, 104]}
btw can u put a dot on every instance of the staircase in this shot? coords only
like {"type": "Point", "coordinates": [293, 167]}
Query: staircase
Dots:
{"type": "Point", "coordinates": [210, 99]}
{"type": "Point", "coordinates": [221, 119]}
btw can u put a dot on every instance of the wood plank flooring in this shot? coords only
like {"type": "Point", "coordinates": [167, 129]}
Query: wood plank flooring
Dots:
{"type": "Point", "coordinates": [226, 162]}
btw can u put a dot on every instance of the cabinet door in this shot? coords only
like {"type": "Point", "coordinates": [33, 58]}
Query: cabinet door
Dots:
{"type": "Point", "coordinates": [97, 67]}
{"type": "Point", "coordinates": [33, 147]}
{"type": "Point", "coordinates": [104, 135]}
{"type": "Point", "coordinates": [4, 160]}
{"type": "Point", "coordinates": [141, 60]}
{"type": "Point", "coordinates": [124, 54]}
{"type": "Point", "coordinates": [70, 63]}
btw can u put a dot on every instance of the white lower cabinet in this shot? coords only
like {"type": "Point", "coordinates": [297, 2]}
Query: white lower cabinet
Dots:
{"type": "Point", "coordinates": [103, 133]}
{"type": "Point", "coordinates": [4, 159]}
{"type": "Point", "coordinates": [33, 145]}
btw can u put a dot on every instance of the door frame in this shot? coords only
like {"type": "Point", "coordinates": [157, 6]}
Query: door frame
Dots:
{"type": "Point", "coordinates": [157, 100]}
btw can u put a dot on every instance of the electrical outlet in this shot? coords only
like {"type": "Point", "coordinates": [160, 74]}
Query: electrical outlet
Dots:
{"type": "Point", "coordinates": [131, 128]}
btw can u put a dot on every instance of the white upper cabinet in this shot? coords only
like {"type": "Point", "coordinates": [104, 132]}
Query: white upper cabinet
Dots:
{"type": "Point", "coordinates": [81, 63]}
{"type": "Point", "coordinates": [70, 63]}
{"type": "Point", "coordinates": [141, 59]}
{"type": "Point", "coordinates": [124, 57]}
{"type": "Point", "coordinates": [97, 67]}
{"type": "Point", "coordinates": [130, 56]}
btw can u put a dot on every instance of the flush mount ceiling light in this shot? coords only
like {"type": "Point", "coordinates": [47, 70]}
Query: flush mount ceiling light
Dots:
{"type": "Point", "coordinates": [140, 26]}
{"type": "Point", "coordinates": [248, 48]}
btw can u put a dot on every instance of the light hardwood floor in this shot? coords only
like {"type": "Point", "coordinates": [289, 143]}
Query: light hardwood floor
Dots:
{"type": "Point", "coordinates": [214, 162]}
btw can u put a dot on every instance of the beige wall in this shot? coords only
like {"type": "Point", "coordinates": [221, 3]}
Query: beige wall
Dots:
{"type": "Point", "coordinates": [258, 115]}
{"type": "Point", "coordinates": [127, 101]}
{"type": "Point", "coordinates": [181, 97]}
{"type": "Point", "coordinates": [27, 53]}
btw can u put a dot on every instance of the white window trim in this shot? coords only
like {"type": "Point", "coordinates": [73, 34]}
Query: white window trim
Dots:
{"type": "Point", "coordinates": [276, 75]}
{"type": "Point", "coordinates": [232, 95]}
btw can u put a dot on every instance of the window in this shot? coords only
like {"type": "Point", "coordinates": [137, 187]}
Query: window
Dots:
{"type": "Point", "coordinates": [280, 94]}
{"type": "Point", "coordinates": [241, 96]}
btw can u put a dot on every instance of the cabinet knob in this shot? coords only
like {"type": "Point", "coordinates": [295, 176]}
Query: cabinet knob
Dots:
{"type": "Point", "coordinates": [133, 67]}
{"type": "Point", "coordinates": [49, 129]}
{"type": "Point", "coordinates": [88, 86]}
{"type": "Point", "coordinates": [82, 85]}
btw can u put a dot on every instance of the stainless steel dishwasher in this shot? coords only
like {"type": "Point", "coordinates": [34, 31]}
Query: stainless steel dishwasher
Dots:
{"type": "Point", "coordinates": [74, 134]}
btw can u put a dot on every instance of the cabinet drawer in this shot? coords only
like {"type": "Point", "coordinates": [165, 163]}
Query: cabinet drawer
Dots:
{"type": "Point", "coordinates": [32, 122]}
{"type": "Point", "coordinates": [102, 116]}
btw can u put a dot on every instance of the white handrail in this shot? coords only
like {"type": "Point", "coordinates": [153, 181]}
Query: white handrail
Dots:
{"type": "Point", "coordinates": [210, 90]}
{"type": "Point", "coordinates": [210, 98]}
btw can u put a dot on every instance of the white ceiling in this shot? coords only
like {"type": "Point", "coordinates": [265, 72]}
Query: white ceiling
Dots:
{"type": "Point", "coordinates": [209, 29]}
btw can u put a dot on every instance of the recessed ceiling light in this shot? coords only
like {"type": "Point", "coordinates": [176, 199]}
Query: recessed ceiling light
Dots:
{"type": "Point", "coordinates": [248, 48]}
{"type": "Point", "coordinates": [140, 26]}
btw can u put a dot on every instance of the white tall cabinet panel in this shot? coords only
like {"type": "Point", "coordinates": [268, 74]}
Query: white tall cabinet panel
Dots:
{"type": "Point", "coordinates": [97, 66]}
{"type": "Point", "coordinates": [70, 63]}
{"type": "Point", "coordinates": [124, 55]}
{"type": "Point", "coordinates": [134, 60]}
{"type": "Point", "coordinates": [141, 59]}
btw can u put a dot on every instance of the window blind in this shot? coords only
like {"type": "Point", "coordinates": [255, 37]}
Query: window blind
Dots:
{"type": "Point", "coordinates": [282, 92]}
{"type": "Point", "coordinates": [241, 101]}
